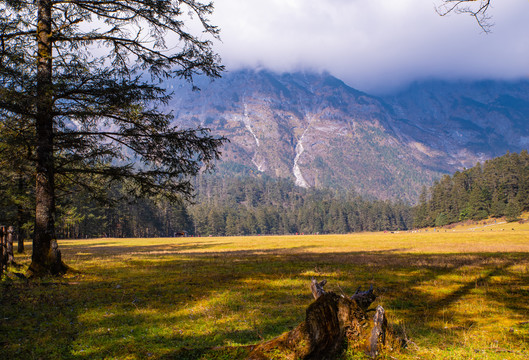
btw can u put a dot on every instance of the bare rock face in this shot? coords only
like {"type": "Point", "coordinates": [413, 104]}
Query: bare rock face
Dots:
{"type": "Point", "coordinates": [319, 132]}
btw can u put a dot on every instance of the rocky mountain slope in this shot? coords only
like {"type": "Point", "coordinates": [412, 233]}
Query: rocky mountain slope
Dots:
{"type": "Point", "coordinates": [320, 132]}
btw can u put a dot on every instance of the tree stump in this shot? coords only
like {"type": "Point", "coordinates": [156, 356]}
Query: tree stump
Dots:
{"type": "Point", "coordinates": [332, 324]}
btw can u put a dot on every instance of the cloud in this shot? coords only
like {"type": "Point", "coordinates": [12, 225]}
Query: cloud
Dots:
{"type": "Point", "coordinates": [373, 44]}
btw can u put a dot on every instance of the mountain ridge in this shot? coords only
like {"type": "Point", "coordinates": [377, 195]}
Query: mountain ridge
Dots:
{"type": "Point", "coordinates": [316, 130]}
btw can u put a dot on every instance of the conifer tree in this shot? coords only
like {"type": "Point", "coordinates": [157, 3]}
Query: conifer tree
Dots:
{"type": "Point", "coordinates": [85, 75]}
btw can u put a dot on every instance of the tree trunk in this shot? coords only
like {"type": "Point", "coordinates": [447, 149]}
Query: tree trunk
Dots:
{"type": "Point", "coordinates": [20, 242]}
{"type": "Point", "coordinates": [332, 324]}
{"type": "Point", "coordinates": [46, 257]}
{"type": "Point", "coordinates": [20, 219]}
{"type": "Point", "coordinates": [3, 251]}
{"type": "Point", "coordinates": [9, 245]}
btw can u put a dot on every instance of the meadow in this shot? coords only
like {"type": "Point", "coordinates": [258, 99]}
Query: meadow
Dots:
{"type": "Point", "coordinates": [459, 293]}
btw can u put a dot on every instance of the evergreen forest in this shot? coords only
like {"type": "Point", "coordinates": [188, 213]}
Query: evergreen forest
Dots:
{"type": "Point", "coordinates": [238, 206]}
{"type": "Point", "coordinates": [261, 205]}
{"type": "Point", "coordinates": [496, 188]}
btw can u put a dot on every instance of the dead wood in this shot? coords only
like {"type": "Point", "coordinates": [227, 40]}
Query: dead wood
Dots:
{"type": "Point", "coordinates": [332, 324]}
{"type": "Point", "coordinates": [364, 299]}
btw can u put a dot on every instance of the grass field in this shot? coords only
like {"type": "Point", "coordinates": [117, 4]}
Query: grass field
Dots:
{"type": "Point", "coordinates": [456, 294]}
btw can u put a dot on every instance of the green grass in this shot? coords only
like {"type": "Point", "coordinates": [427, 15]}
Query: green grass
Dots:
{"type": "Point", "coordinates": [456, 295]}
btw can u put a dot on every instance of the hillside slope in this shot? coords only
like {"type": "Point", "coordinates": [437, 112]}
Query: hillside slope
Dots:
{"type": "Point", "coordinates": [318, 131]}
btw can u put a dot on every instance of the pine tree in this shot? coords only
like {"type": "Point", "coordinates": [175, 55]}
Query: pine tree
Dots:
{"type": "Point", "coordinates": [421, 210]}
{"type": "Point", "coordinates": [513, 210]}
{"type": "Point", "coordinates": [83, 74]}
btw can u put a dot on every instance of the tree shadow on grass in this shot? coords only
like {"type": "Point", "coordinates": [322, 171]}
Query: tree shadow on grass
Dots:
{"type": "Point", "coordinates": [105, 249]}
{"type": "Point", "coordinates": [160, 306]}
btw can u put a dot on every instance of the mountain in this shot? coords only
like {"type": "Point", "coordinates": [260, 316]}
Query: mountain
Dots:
{"type": "Point", "coordinates": [317, 131]}
{"type": "Point", "coordinates": [465, 121]}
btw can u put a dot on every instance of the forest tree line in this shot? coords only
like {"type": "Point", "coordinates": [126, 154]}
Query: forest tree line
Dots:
{"type": "Point", "coordinates": [253, 205]}
{"type": "Point", "coordinates": [262, 205]}
{"type": "Point", "coordinates": [496, 188]}
{"type": "Point", "coordinates": [238, 206]}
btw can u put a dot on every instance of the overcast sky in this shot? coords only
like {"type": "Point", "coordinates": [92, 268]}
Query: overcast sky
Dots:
{"type": "Point", "coordinates": [373, 44]}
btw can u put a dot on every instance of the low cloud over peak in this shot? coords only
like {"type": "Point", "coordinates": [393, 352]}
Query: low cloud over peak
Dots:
{"type": "Point", "coordinates": [373, 45]}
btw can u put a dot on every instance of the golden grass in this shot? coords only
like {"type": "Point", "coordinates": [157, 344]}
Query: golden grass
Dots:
{"type": "Point", "coordinates": [475, 238]}
{"type": "Point", "coordinates": [459, 294]}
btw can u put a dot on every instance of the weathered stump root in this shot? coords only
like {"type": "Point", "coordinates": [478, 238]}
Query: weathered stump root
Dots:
{"type": "Point", "coordinates": [332, 323]}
